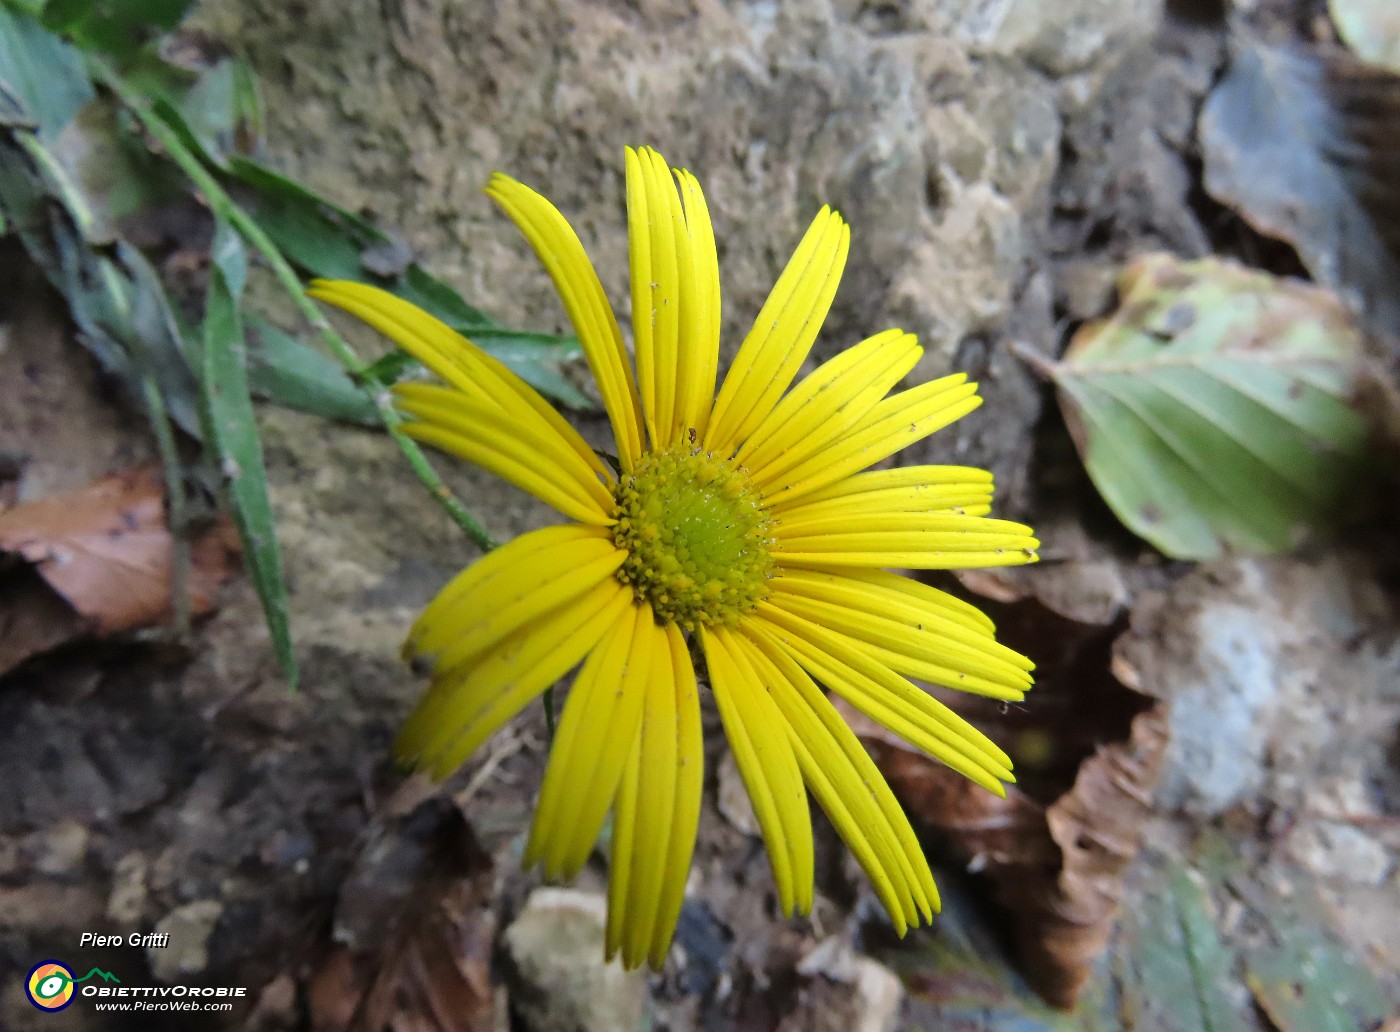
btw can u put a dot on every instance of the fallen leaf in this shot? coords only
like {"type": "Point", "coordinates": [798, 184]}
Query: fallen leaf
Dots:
{"type": "Point", "coordinates": [1171, 961]}
{"type": "Point", "coordinates": [1304, 980]}
{"type": "Point", "coordinates": [1098, 828]}
{"type": "Point", "coordinates": [107, 550]}
{"type": "Point", "coordinates": [1213, 409]}
{"type": "Point", "coordinates": [1057, 870]}
{"type": "Point", "coordinates": [33, 619]}
{"type": "Point", "coordinates": [1088, 753]}
{"type": "Point", "coordinates": [1303, 146]}
{"type": "Point", "coordinates": [415, 926]}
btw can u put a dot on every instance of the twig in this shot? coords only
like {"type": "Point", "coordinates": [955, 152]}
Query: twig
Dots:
{"type": "Point", "coordinates": [499, 755]}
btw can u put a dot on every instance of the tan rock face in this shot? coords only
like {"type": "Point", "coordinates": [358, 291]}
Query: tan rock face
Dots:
{"type": "Point", "coordinates": [934, 126]}
{"type": "Point", "coordinates": [778, 107]}
{"type": "Point", "coordinates": [557, 979]}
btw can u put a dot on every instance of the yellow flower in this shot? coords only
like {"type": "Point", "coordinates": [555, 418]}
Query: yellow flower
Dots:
{"type": "Point", "coordinates": [740, 521]}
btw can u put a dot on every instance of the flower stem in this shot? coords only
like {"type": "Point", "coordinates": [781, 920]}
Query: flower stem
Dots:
{"type": "Point", "coordinates": [224, 207]}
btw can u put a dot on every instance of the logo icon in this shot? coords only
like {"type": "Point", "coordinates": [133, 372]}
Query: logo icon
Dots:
{"type": "Point", "coordinates": [50, 984]}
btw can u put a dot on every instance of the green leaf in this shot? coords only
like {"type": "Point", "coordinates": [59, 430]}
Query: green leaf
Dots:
{"type": "Point", "coordinates": [319, 237]}
{"type": "Point", "coordinates": [119, 305]}
{"type": "Point", "coordinates": [41, 73]}
{"type": "Point", "coordinates": [118, 27]}
{"type": "Point", "coordinates": [538, 364]}
{"type": "Point", "coordinates": [232, 434]}
{"type": "Point", "coordinates": [1174, 965]}
{"type": "Point", "coordinates": [392, 366]}
{"type": "Point", "coordinates": [1212, 410]}
{"type": "Point", "coordinates": [291, 373]}
{"type": "Point", "coordinates": [325, 240]}
{"type": "Point", "coordinates": [437, 298]}
{"type": "Point", "coordinates": [216, 112]}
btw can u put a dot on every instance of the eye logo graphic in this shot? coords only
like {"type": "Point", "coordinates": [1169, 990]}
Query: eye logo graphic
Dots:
{"type": "Point", "coordinates": [50, 984]}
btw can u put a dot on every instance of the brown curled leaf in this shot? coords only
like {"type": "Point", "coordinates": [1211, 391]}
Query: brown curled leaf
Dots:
{"type": "Point", "coordinates": [1058, 870]}
{"type": "Point", "coordinates": [106, 549]}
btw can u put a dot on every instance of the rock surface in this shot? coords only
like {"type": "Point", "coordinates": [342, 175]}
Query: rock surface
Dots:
{"type": "Point", "coordinates": [557, 979]}
{"type": "Point", "coordinates": [934, 126]}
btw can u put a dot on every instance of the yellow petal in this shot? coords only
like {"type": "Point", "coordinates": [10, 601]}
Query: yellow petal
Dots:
{"type": "Point", "coordinates": [656, 813]}
{"type": "Point", "coordinates": [917, 653]}
{"type": "Point", "coordinates": [902, 489]}
{"type": "Point", "coordinates": [951, 530]}
{"type": "Point", "coordinates": [656, 235]}
{"type": "Point", "coordinates": [935, 613]}
{"type": "Point", "coordinates": [463, 710]}
{"type": "Point", "coordinates": [511, 460]}
{"type": "Point", "coordinates": [700, 307]}
{"type": "Point", "coordinates": [509, 586]}
{"type": "Point", "coordinates": [655, 802]}
{"type": "Point", "coordinates": [690, 782]}
{"type": "Point", "coordinates": [479, 376]}
{"type": "Point", "coordinates": [539, 589]}
{"type": "Point", "coordinates": [767, 765]}
{"type": "Point", "coordinates": [624, 835]}
{"type": "Point", "coordinates": [447, 409]}
{"type": "Point", "coordinates": [913, 540]}
{"type": "Point", "coordinates": [918, 593]}
{"type": "Point", "coordinates": [849, 787]}
{"type": "Point", "coordinates": [586, 764]}
{"type": "Point", "coordinates": [563, 257]}
{"type": "Point", "coordinates": [893, 424]}
{"type": "Point", "coordinates": [886, 697]}
{"type": "Point", "coordinates": [782, 336]}
{"type": "Point", "coordinates": [830, 401]}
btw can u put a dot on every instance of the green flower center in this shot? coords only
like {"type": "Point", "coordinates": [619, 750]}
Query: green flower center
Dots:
{"type": "Point", "coordinates": [696, 537]}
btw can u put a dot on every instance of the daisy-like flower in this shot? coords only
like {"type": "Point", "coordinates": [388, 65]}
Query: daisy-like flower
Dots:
{"type": "Point", "coordinates": [739, 520]}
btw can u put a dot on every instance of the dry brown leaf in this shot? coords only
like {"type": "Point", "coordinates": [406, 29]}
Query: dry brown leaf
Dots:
{"type": "Point", "coordinates": [33, 619]}
{"type": "Point", "coordinates": [1088, 753]}
{"type": "Point", "coordinates": [433, 978]}
{"type": "Point", "coordinates": [107, 550]}
{"type": "Point", "coordinates": [1058, 870]}
{"type": "Point", "coordinates": [416, 919]}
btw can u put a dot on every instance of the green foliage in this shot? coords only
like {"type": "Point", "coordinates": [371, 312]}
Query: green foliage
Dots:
{"type": "Point", "coordinates": [233, 436]}
{"type": "Point", "coordinates": [283, 369]}
{"type": "Point", "coordinates": [101, 130]}
{"type": "Point", "coordinates": [1212, 410]}
{"type": "Point", "coordinates": [43, 75]}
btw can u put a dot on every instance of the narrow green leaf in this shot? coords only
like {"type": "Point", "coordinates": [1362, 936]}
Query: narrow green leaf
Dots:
{"type": "Point", "coordinates": [433, 295]}
{"type": "Point", "coordinates": [291, 373]}
{"type": "Point", "coordinates": [41, 73]}
{"type": "Point", "coordinates": [331, 242]}
{"type": "Point", "coordinates": [392, 366]}
{"type": "Point", "coordinates": [317, 236]}
{"type": "Point", "coordinates": [232, 434]}
{"type": "Point", "coordinates": [1212, 410]}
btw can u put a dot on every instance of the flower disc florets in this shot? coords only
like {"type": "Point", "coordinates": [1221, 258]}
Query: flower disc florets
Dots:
{"type": "Point", "coordinates": [696, 536]}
